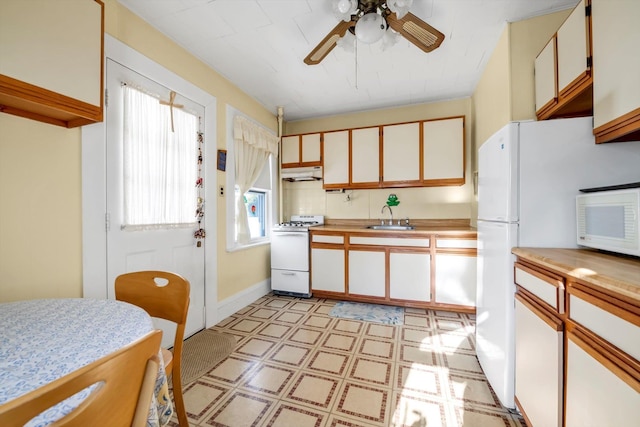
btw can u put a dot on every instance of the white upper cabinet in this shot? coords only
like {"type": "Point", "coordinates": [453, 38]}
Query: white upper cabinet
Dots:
{"type": "Point", "coordinates": [563, 69]}
{"type": "Point", "coordinates": [414, 154]}
{"type": "Point", "coordinates": [336, 158]}
{"type": "Point", "coordinates": [365, 156]}
{"type": "Point", "coordinates": [51, 60]}
{"type": "Point", "coordinates": [545, 77]}
{"type": "Point", "coordinates": [616, 63]}
{"type": "Point", "coordinates": [290, 150]}
{"type": "Point", "coordinates": [401, 153]}
{"type": "Point", "coordinates": [573, 49]}
{"type": "Point", "coordinates": [301, 150]}
{"type": "Point", "coordinates": [443, 151]}
{"type": "Point", "coordinates": [311, 149]}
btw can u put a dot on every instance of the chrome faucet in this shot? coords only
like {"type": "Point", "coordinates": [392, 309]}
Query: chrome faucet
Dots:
{"type": "Point", "coordinates": [390, 213]}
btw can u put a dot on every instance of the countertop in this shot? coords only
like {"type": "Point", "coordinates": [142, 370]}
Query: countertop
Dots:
{"type": "Point", "coordinates": [618, 274]}
{"type": "Point", "coordinates": [446, 227]}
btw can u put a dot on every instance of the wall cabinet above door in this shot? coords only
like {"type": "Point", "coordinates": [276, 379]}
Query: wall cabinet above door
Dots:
{"type": "Point", "coordinates": [51, 66]}
{"type": "Point", "coordinates": [564, 65]}
{"type": "Point", "coordinates": [302, 150]}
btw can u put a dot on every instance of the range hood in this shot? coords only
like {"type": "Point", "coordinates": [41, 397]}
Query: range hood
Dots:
{"type": "Point", "coordinates": [313, 173]}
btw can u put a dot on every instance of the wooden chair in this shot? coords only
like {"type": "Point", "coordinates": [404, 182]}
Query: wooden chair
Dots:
{"type": "Point", "coordinates": [165, 298]}
{"type": "Point", "coordinates": [127, 379]}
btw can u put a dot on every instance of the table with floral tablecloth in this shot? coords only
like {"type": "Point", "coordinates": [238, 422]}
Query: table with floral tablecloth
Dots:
{"type": "Point", "coordinates": [43, 340]}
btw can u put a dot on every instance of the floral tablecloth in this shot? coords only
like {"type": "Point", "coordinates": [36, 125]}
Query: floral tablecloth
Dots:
{"type": "Point", "coordinates": [43, 340]}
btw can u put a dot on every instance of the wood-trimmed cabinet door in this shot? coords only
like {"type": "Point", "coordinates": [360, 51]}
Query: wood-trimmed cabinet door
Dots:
{"type": "Point", "coordinates": [443, 151]}
{"type": "Point", "coordinates": [574, 52]}
{"type": "Point", "coordinates": [327, 270]}
{"type": "Point", "coordinates": [301, 150]}
{"type": "Point", "coordinates": [599, 391]}
{"type": "Point", "coordinates": [409, 275]}
{"type": "Point", "coordinates": [539, 362]}
{"type": "Point", "coordinates": [456, 279]}
{"type": "Point", "coordinates": [616, 63]}
{"type": "Point", "coordinates": [401, 154]}
{"type": "Point", "coordinates": [546, 91]}
{"type": "Point", "coordinates": [328, 263]}
{"type": "Point", "coordinates": [336, 159]}
{"type": "Point", "coordinates": [367, 269]}
{"type": "Point", "coordinates": [365, 157]}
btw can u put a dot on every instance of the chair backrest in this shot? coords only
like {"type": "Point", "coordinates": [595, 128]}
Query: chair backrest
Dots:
{"type": "Point", "coordinates": [160, 293]}
{"type": "Point", "coordinates": [122, 397]}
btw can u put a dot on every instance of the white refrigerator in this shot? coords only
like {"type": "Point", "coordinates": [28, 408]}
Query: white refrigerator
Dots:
{"type": "Point", "coordinates": [528, 176]}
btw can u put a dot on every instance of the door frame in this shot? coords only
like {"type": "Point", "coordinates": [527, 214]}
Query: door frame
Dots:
{"type": "Point", "coordinates": [94, 197]}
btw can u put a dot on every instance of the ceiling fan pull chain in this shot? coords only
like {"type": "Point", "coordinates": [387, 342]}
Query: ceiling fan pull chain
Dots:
{"type": "Point", "coordinates": [356, 58]}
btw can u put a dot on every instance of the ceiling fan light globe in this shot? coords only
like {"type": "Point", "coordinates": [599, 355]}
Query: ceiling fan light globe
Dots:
{"type": "Point", "coordinates": [370, 28]}
{"type": "Point", "coordinates": [399, 7]}
{"type": "Point", "coordinates": [343, 9]}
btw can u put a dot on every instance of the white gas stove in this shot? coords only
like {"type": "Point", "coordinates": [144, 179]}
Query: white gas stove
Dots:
{"type": "Point", "coordinates": [290, 255]}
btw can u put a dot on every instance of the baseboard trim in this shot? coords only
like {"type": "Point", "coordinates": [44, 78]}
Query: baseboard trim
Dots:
{"type": "Point", "coordinates": [230, 305]}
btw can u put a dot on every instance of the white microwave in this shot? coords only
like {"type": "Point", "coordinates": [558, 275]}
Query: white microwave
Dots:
{"type": "Point", "coordinates": [610, 220]}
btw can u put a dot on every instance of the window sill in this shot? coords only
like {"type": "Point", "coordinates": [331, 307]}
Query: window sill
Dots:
{"type": "Point", "coordinates": [249, 245]}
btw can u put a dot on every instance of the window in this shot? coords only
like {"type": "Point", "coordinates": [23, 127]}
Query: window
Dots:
{"type": "Point", "coordinates": [160, 164]}
{"type": "Point", "coordinates": [256, 204]}
{"type": "Point", "coordinates": [256, 201]}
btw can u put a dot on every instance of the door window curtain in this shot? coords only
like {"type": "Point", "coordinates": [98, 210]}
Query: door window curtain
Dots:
{"type": "Point", "coordinates": [253, 145]}
{"type": "Point", "coordinates": [160, 166]}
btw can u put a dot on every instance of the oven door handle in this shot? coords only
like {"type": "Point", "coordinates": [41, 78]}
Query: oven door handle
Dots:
{"type": "Point", "coordinates": [292, 234]}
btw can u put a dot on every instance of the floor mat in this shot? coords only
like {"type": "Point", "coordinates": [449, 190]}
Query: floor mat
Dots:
{"type": "Point", "coordinates": [202, 351]}
{"type": "Point", "coordinates": [387, 314]}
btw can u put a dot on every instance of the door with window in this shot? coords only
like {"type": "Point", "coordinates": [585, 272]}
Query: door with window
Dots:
{"type": "Point", "coordinates": [154, 186]}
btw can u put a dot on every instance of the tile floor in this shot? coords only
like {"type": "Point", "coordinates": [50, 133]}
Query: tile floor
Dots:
{"type": "Point", "coordinates": [295, 366]}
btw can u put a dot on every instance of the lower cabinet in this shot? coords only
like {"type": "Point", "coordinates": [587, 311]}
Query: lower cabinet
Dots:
{"type": "Point", "coordinates": [367, 273]}
{"type": "Point", "coordinates": [401, 269]}
{"type": "Point", "coordinates": [327, 270]}
{"type": "Point", "coordinates": [456, 279]}
{"type": "Point", "coordinates": [409, 276]}
{"type": "Point", "coordinates": [599, 392]}
{"type": "Point", "coordinates": [577, 342]}
{"type": "Point", "coordinates": [539, 359]}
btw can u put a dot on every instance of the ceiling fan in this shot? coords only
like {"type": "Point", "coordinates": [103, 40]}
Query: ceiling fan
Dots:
{"type": "Point", "coordinates": [369, 20]}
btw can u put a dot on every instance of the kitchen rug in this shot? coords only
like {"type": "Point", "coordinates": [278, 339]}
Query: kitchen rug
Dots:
{"type": "Point", "coordinates": [387, 314]}
{"type": "Point", "coordinates": [202, 351]}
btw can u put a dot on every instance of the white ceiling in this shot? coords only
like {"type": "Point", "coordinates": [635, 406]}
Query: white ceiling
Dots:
{"type": "Point", "coordinates": [259, 45]}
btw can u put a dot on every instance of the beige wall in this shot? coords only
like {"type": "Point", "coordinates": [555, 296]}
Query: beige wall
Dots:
{"type": "Point", "coordinates": [40, 213]}
{"type": "Point", "coordinates": [40, 182]}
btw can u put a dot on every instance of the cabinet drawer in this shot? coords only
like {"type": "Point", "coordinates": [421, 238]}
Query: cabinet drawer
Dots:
{"type": "Point", "coordinates": [324, 238]}
{"type": "Point", "coordinates": [456, 243]}
{"type": "Point", "coordinates": [601, 320]}
{"type": "Point", "coordinates": [389, 241]}
{"type": "Point", "coordinates": [549, 289]}
{"type": "Point", "coordinates": [290, 281]}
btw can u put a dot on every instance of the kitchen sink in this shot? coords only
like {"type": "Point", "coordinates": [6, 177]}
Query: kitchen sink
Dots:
{"type": "Point", "coordinates": [391, 227]}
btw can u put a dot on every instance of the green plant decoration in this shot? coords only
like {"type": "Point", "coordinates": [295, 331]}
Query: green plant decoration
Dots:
{"type": "Point", "coordinates": [392, 200]}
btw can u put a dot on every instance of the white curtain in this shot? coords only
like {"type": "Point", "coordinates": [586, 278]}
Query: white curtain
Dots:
{"type": "Point", "coordinates": [253, 145]}
{"type": "Point", "coordinates": [160, 166]}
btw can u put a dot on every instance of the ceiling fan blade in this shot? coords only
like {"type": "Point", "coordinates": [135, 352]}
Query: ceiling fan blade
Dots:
{"type": "Point", "coordinates": [328, 43]}
{"type": "Point", "coordinates": [416, 31]}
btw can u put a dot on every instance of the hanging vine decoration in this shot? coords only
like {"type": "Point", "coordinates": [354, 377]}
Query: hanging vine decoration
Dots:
{"type": "Point", "coordinates": [200, 233]}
